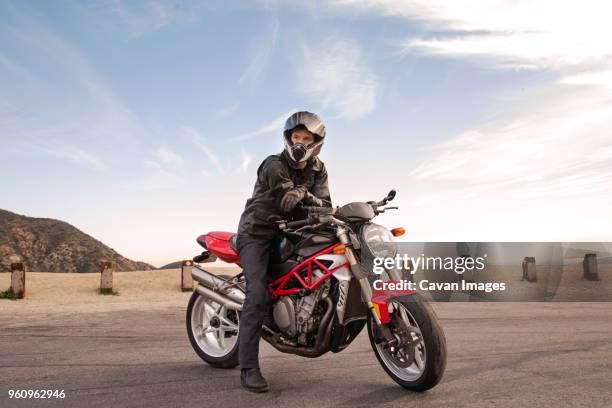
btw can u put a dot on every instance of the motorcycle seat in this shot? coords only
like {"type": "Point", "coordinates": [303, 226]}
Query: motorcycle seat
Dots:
{"type": "Point", "coordinates": [220, 243]}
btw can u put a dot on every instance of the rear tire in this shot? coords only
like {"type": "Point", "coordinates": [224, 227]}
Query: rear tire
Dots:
{"type": "Point", "coordinates": [431, 350]}
{"type": "Point", "coordinates": [219, 349]}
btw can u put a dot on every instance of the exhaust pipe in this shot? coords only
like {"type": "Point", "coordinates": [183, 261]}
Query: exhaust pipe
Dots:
{"type": "Point", "coordinates": [218, 297]}
{"type": "Point", "coordinates": [212, 287]}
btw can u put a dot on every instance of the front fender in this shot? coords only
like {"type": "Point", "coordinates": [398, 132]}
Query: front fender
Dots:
{"type": "Point", "coordinates": [382, 297]}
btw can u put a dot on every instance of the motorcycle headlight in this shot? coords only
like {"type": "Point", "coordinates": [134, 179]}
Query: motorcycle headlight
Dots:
{"type": "Point", "coordinates": [378, 241]}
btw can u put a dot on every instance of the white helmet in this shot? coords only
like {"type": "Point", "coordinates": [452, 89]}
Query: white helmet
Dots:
{"type": "Point", "coordinates": [311, 122]}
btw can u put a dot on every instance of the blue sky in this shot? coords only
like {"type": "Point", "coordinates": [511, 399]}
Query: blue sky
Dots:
{"type": "Point", "coordinates": [143, 123]}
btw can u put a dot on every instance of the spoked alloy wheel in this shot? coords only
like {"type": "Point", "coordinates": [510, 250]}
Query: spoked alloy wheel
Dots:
{"type": "Point", "coordinates": [419, 362]}
{"type": "Point", "coordinates": [213, 331]}
{"type": "Point", "coordinates": [407, 362]}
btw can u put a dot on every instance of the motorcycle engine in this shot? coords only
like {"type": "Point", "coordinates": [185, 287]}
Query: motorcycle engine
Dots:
{"type": "Point", "coordinates": [297, 317]}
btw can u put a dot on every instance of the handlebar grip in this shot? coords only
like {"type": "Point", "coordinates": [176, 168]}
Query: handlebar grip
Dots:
{"type": "Point", "coordinates": [299, 223]}
{"type": "Point", "coordinates": [317, 210]}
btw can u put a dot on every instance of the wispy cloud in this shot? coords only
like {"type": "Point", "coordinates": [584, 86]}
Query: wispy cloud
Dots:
{"type": "Point", "coordinates": [506, 33]}
{"type": "Point", "coordinates": [151, 164]}
{"type": "Point", "coordinates": [74, 154]}
{"type": "Point", "coordinates": [97, 120]}
{"type": "Point", "coordinates": [245, 159]}
{"type": "Point", "coordinates": [561, 126]}
{"type": "Point", "coordinates": [601, 78]}
{"type": "Point", "coordinates": [235, 163]}
{"type": "Point", "coordinates": [166, 171]}
{"type": "Point", "coordinates": [334, 74]}
{"type": "Point", "coordinates": [168, 156]}
{"type": "Point", "coordinates": [198, 140]}
{"type": "Point", "coordinates": [159, 178]}
{"type": "Point", "coordinates": [227, 110]}
{"type": "Point", "coordinates": [261, 49]}
{"type": "Point", "coordinates": [543, 169]}
{"type": "Point", "coordinates": [549, 142]}
{"type": "Point", "coordinates": [136, 19]}
{"type": "Point", "coordinates": [275, 125]}
{"type": "Point", "coordinates": [15, 69]}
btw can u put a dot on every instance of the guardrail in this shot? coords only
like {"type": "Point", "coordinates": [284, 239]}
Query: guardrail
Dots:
{"type": "Point", "coordinates": [186, 278]}
{"type": "Point", "coordinates": [529, 269]}
{"type": "Point", "coordinates": [106, 277]}
{"type": "Point", "coordinates": [589, 266]}
{"type": "Point", "coordinates": [18, 275]}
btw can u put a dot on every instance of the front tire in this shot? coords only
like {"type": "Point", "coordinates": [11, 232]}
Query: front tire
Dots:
{"type": "Point", "coordinates": [213, 331]}
{"type": "Point", "coordinates": [422, 367]}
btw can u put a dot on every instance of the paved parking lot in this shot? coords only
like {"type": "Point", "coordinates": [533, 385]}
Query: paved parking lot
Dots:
{"type": "Point", "coordinates": [500, 354]}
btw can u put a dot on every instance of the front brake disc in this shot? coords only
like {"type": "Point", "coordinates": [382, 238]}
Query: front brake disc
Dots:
{"type": "Point", "coordinates": [409, 338]}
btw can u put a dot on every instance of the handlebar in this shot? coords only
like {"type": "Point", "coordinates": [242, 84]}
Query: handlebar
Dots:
{"type": "Point", "coordinates": [312, 219]}
{"type": "Point", "coordinates": [317, 210]}
{"type": "Point", "coordinates": [325, 215]}
{"type": "Point", "coordinates": [296, 224]}
{"type": "Point", "coordinates": [289, 225]}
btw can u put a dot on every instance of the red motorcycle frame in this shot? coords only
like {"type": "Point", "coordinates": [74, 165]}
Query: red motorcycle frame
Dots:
{"type": "Point", "coordinates": [277, 288]}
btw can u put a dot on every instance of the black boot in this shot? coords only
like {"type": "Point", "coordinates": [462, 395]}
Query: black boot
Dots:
{"type": "Point", "coordinates": [252, 380]}
{"type": "Point", "coordinates": [269, 322]}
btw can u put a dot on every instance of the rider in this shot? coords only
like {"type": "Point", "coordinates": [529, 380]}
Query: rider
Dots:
{"type": "Point", "coordinates": [283, 180]}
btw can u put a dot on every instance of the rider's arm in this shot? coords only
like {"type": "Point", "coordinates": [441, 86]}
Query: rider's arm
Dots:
{"type": "Point", "coordinates": [286, 193]}
{"type": "Point", "coordinates": [320, 187]}
{"type": "Point", "coordinates": [276, 177]}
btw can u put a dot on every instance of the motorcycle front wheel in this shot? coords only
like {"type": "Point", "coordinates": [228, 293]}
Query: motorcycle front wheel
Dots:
{"type": "Point", "coordinates": [419, 364]}
{"type": "Point", "coordinates": [213, 331]}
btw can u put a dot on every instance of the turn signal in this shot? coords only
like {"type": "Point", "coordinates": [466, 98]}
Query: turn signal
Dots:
{"type": "Point", "coordinates": [398, 232]}
{"type": "Point", "coordinates": [340, 249]}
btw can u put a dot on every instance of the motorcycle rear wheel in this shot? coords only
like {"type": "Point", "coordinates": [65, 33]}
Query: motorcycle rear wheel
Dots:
{"type": "Point", "coordinates": [217, 346]}
{"type": "Point", "coordinates": [424, 368]}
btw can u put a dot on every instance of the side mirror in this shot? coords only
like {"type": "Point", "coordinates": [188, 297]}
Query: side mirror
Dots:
{"type": "Point", "coordinates": [390, 196]}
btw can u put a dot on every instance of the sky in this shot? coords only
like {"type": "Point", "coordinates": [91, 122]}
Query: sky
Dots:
{"type": "Point", "coordinates": [143, 123]}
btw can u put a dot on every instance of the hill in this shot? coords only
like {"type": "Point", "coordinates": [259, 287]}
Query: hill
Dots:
{"type": "Point", "coordinates": [49, 245]}
{"type": "Point", "coordinates": [173, 265]}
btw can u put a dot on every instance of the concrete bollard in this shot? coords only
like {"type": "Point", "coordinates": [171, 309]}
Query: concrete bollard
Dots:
{"type": "Point", "coordinates": [18, 279]}
{"type": "Point", "coordinates": [106, 277]}
{"type": "Point", "coordinates": [529, 269]}
{"type": "Point", "coordinates": [589, 266]}
{"type": "Point", "coordinates": [186, 279]}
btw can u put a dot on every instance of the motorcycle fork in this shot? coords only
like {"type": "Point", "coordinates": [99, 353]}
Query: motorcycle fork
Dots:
{"type": "Point", "coordinates": [361, 276]}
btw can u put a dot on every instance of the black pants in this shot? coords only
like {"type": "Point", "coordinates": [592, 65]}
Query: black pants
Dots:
{"type": "Point", "coordinates": [254, 256]}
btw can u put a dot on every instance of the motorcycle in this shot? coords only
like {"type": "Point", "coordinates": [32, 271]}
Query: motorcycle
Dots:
{"type": "Point", "coordinates": [322, 296]}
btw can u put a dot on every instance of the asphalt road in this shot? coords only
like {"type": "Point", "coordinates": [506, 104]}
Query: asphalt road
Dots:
{"type": "Point", "coordinates": [500, 354]}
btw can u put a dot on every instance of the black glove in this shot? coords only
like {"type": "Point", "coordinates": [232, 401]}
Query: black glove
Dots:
{"type": "Point", "coordinates": [292, 198]}
{"type": "Point", "coordinates": [313, 200]}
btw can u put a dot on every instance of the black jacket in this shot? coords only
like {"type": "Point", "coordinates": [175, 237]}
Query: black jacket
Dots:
{"type": "Point", "coordinates": [275, 177]}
